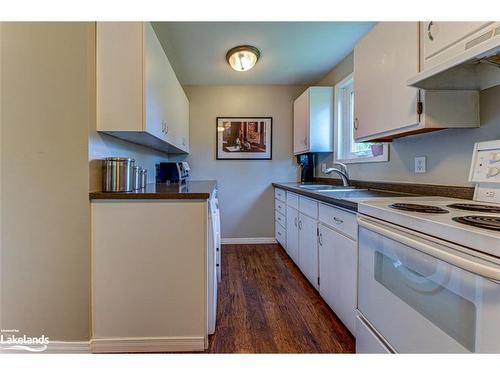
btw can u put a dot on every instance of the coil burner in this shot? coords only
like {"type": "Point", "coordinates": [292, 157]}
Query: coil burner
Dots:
{"type": "Point", "coordinates": [487, 222]}
{"type": "Point", "coordinates": [418, 208]}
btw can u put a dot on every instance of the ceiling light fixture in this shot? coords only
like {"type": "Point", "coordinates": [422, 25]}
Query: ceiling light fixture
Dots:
{"type": "Point", "coordinates": [242, 58]}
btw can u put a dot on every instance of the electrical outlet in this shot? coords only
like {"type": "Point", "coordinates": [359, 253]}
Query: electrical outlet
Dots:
{"type": "Point", "coordinates": [490, 193]}
{"type": "Point", "coordinates": [420, 164]}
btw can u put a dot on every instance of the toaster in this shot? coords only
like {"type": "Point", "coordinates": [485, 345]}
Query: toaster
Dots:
{"type": "Point", "coordinates": [175, 171]}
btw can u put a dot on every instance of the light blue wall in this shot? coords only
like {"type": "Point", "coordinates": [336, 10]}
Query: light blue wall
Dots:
{"type": "Point", "coordinates": [448, 151]}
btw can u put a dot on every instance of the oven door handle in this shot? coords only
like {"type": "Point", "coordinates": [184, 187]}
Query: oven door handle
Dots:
{"type": "Point", "coordinates": [478, 266]}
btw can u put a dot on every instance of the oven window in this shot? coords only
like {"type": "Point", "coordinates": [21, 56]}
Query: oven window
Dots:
{"type": "Point", "coordinates": [452, 313]}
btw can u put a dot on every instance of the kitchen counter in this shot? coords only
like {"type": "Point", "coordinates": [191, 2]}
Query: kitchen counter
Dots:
{"type": "Point", "coordinates": [189, 190]}
{"type": "Point", "coordinates": [345, 199]}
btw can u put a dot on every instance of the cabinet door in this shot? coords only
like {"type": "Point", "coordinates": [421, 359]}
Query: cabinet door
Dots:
{"type": "Point", "coordinates": [383, 61]}
{"type": "Point", "coordinates": [308, 248]}
{"type": "Point", "coordinates": [167, 106]}
{"type": "Point", "coordinates": [176, 108]}
{"type": "Point", "coordinates": [438, 39]}
{"type": "Point", "coordinates": [292, 233]}
{"type": "Point", "coordinates": [155, 86]}
{"type": "Point", "coordinates": [338, 274]}
{"type": "Point", "coordinates": [320, 119]}
{"type": "Point", "coordinates": [301, 123]}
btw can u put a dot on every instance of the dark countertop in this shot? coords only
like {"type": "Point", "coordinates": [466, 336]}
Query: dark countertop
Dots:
{"type": "Point", "coordinates": [345, 199]}
{"type": "Point", "coordinates": [189, 190]}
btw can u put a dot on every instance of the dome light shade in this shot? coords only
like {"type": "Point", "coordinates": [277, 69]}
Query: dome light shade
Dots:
{"type": "Point", "coordinates": [242, 58]}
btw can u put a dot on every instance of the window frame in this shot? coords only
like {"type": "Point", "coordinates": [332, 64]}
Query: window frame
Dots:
{"type": "Point", "coordinates": [340, 141]}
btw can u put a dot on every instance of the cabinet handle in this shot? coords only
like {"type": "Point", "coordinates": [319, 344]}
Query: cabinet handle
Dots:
{"type": "Point", "coordinates": [300, 224]}
{"type": "Point", "coordinates": [295, 221]}
{"type": "Point", "coordinates": [429, 32]}
{"type": "Point", "coordinates": [320, 239]}
{"type": "Point", "coordinates": [356, 124]}
{"type": "Point", "coordinates": [337, 220]}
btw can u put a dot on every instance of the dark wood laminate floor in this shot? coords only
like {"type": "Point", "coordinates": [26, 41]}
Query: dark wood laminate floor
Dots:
{"type": "Point", "coordinates": [267, 306]}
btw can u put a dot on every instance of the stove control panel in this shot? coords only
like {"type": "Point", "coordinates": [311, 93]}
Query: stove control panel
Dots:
{"type": "Point", "coordinates": [485, 171]}
{"type": "Point", "coordinates": [487, 167]}
{"type": "Point", "coordinates": [485, 164]}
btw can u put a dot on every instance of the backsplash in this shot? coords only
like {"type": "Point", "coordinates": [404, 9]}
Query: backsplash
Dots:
{"type": "Point", "coordinates": [103, 145]}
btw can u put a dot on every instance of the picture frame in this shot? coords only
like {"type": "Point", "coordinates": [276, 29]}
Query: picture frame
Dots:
{"type": "Point", "coordinates": [244, 138]}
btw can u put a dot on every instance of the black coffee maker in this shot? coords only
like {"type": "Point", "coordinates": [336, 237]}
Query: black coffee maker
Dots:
{"type": "Point", "coordinates": [306, 164]}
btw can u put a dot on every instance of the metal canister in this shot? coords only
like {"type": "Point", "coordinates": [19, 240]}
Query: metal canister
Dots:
{"type": "Point", "coordinates": [117, 174]}
{"type": "Point", "coordinates": [136, 179]}
{"type": "Point", "coordinates": [144, 178]}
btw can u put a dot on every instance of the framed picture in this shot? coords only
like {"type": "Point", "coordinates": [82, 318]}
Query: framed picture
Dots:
{"type": "Point", "coordinates": [244, 138]}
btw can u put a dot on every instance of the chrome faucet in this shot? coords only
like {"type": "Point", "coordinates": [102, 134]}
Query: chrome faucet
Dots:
{"type": "Point", "coordinates": [342, 172]}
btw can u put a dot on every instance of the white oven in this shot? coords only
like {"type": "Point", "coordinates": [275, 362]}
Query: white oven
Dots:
{"type": "Point", "coordinates": [213, 265]}
{"type": "Point", "coordinates": [424, 295]}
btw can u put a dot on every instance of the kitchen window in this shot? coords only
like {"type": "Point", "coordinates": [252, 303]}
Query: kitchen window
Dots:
{"type": "Point", "coordinates": [346, 150]}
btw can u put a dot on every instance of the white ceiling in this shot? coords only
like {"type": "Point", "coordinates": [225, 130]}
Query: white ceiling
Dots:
{"type": "Point", "coordinates": [291, 52]}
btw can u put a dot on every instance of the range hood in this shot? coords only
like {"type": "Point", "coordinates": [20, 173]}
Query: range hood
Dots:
{"type": "Point", "coordinates": [476, 68]}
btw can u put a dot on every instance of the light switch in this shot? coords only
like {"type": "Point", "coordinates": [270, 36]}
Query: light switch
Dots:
{"type": "Point", "coordinates": [420, 164]}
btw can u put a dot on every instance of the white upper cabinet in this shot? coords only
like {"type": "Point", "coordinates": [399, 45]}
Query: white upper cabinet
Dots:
{"type": "Point", "coordinates": [449, 54]}
{"type": "Point", "coordinates": [384, 106]}
{"type": "Point", "coordinates": [313, 121]}
{"type": "Point", "coordinates": [383, 61]}
{"type": "Point", "coordinates": [139, 98]}
{"type": "Point", "coordinates": [440, 38]}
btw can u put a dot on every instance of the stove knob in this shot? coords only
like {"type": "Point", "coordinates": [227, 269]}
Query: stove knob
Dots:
{"type": "Point", "coordinates": [495, 157]}
{"type": "Point", "coordinates": [492, 172]}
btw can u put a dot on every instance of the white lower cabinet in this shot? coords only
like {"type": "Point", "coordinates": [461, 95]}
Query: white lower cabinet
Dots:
{"type": "Point", "coordinates": [280, 234]}
{"type": "Point", "coordinates": [308, 248]}
{"type": "Point", "coordinates": [337, 269]}
{"type": "Point", "coordinates": [321, 240]}
{"type": "Point", "coordinates": [292, 233]}
{"type": "Point", "coordinates": [149, 284]}
{"type": "Point", "coordinates": [280, 217]}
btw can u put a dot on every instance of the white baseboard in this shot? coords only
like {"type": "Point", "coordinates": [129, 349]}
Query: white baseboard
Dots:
{"type": "Point", "coordinates": [69, 347]}
{"type": "Point", "coordinates": [246, 241]}
{"type": "Point", "coordinates": [148, 345]}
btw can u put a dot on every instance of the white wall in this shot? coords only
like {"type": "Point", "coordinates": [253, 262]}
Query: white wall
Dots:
{"type": "Point", "coordinates": [103, 145]}
{"type": "Point", "coordinates": [45, 256]}
{"type": "Point", "coordinates": [246, 195]}
{"type": "Point", "coordinates": [448, 151]}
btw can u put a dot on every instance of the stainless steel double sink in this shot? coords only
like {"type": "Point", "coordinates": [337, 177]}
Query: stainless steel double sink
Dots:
{"type": "Point", "coordinates": [328, 188]}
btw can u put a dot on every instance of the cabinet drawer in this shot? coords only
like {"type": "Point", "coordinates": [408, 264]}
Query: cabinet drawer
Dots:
{"type": "Point", "coordinates": [292, 200]}
{"type": "Point", "coordinates": [280, 194]}
{"type": "Point", "coordinates": [280, 218]}
{"type": "Point", "coordinates": [280, 207]}
{"type": "Point", "coordinates": [308, 207]}
{"type": "Point", "coordinates": [280, 234]}
{"type": "Point", "coordinates": [343, 221]}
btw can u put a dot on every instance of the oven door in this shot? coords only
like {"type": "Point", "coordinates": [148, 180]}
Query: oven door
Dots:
{"type": "Point", "coordinates": [425, 296]}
